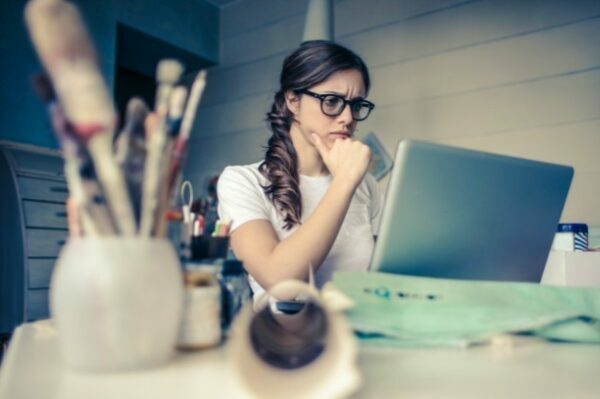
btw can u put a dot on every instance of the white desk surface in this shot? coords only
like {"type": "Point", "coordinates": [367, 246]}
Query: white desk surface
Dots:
{"type": "Point", "coordinates": [531, 368]}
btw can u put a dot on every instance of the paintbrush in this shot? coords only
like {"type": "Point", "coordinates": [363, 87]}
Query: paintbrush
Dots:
{"type": "Point", "coordinates": [65, 49]}
{"type": "Point", "coordinates": [180, 147]}
{"type": "Point", "coordinates": [130, 151]}
{"type": "Point", "coordinates": [174, 117]}
{"type": "Point", "coordinates": [168, 73]}
{"type": "Point", "coordinates": [83, 190]}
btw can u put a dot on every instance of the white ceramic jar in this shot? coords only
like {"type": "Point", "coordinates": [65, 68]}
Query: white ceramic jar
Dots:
{"type": "Point", "coordinates": [116, 302]}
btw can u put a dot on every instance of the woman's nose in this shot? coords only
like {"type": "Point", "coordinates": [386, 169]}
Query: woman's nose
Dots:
{"type": "Point", "coordinates": [346, 115]}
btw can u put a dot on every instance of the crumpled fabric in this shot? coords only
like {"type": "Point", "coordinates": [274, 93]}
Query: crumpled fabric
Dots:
{"type": "Point", "coordinates": [408, 311]}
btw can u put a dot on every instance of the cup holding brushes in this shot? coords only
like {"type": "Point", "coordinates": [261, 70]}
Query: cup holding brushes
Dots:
{"type": "Point", "coordinates": [116, 303]}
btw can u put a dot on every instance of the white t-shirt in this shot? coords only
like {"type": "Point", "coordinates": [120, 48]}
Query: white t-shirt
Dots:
{"type": "Point", "coordinates": [242, 199]}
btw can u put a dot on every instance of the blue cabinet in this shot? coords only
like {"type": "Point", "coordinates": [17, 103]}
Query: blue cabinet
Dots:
{"type": "Point", "coordinates": [33, 228]}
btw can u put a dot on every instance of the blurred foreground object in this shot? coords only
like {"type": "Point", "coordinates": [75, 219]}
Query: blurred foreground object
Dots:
{"type": "Point", "coordinates": [295, 349]}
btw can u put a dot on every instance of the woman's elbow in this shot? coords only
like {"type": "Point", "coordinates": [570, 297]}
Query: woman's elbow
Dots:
{"type": "Point", "coordinates": [268, 276]}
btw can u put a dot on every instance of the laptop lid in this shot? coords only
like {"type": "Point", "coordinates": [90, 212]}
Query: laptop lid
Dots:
{"type": "Point", "coordinates": [457, 213]}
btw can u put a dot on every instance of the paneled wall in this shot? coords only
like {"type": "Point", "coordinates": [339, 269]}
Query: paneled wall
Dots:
{"type": "Point", "coordinates": [517, 77]}
{"type": "Point", "coordinates": [185, 24]}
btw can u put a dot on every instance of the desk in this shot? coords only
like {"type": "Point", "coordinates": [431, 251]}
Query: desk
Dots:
{"type": "Point", "coordinates": [530, 369]}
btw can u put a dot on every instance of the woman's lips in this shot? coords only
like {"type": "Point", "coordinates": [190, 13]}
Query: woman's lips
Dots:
{"type": "Point", "coordinates": [340, 135]}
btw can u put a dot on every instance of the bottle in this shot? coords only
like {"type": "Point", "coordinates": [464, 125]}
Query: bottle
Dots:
{"type": "Point", "coordinates": [235, 291]}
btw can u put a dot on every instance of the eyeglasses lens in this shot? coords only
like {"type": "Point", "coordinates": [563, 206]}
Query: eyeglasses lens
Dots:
{"type": "Point", "coordinates": [334, 106]}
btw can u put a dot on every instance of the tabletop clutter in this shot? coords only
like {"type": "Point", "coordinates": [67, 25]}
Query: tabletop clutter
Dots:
{"type": "Point", "coordinates": [140, 276]}
{"type": "Point", "coordinates": [216, 285]}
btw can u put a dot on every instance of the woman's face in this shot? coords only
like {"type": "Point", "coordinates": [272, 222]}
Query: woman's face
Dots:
{"type": "Point", "coordinates": [307, 109]}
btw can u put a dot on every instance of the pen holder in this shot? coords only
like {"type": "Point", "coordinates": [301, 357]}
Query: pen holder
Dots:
{"type": "Point", "coordinates": [116, 302]}
{"type": "Point", "coordinates": [209, 247]}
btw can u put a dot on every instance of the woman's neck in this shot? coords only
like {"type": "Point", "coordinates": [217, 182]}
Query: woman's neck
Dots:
{"type": "Point", "coordinates": [309, 160]}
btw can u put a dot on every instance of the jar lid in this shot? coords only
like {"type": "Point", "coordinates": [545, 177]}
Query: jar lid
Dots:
{"type": "Point", "coordinates": [233, 266]}
{"type": "Point", "coordinates": [200, 277]}
{"type": "Point", "coordinates": [572, 228]}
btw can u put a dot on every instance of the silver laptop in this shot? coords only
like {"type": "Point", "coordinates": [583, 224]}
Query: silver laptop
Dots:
{"type": "Point", "coordinates": [457, 213]}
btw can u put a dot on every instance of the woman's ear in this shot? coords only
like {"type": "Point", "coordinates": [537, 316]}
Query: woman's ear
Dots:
{"type": "Point", "coordinates": [292, 100]}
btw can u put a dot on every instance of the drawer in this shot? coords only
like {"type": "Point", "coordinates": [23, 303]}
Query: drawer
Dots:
{"type": "Point", "coordinates": [45, 243]}
{"type": "Point", "coordinates": [39, 272]}
{"type": "Point", "coordinates": [43, 190]}
{"type": "Point", "coordinates": [33, 162]}
{"type": "Point", "coordinates": [38, 304]}
{"type": "Point", "coordinates": [45, 214]}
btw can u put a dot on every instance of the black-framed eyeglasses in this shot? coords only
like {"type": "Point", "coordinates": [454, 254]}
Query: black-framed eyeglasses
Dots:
{"type": "Point", "coordinates": [333, 105]}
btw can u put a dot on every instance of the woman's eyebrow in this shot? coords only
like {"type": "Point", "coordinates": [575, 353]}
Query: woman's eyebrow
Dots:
{"type": "Point", "coordinates": [337, 93]}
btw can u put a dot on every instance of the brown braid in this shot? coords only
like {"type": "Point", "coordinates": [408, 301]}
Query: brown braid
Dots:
{"type": "Point", "coordinates": [280, 164]}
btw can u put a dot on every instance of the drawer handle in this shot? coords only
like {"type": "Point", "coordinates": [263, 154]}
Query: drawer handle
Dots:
{"type": "Point", "coordinates": [61, 214]}
{"type": "Point", "coordinates": [59, 189]}
{"type": "Point", "coordinates": [61, 242]}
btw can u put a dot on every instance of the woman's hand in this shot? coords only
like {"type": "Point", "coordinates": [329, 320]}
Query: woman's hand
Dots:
{"type": "Point", "coordinates": [347, 159]}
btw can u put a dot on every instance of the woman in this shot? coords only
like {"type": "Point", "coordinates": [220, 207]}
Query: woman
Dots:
{"type": "Point", "coordinates": [309, 203]}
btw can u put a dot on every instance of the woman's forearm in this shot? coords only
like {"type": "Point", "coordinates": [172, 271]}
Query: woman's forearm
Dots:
{"type": "Point", "coordinates": [312, 241]}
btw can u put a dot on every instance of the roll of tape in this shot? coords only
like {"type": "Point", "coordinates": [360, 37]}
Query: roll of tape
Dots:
{"type": "Point", "coordinates": [302, 350]}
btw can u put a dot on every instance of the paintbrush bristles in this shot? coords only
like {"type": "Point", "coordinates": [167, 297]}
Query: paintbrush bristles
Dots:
{"type": "Point", "coordinates": [168, 71]}
{"type": "Point", "coordinates": [64, 47]}
{"type": "Point", "coordinates": [136, 113]}
{"type": "Point", "coordinates": [56, 27]}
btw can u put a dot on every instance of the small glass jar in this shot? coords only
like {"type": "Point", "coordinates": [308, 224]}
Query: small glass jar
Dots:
{"type": "Point", "coordinates": [201, 321]}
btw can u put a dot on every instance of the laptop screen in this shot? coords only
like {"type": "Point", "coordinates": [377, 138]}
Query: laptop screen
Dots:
{"type": "Point", "coordinates": [458, 213]}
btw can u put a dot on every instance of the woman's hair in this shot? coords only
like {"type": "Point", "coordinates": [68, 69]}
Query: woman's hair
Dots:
{"type": "Point", "coordinates": [310, 64]}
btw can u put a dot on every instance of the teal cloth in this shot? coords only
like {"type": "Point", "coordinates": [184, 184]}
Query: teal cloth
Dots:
{"type": "Point", "coordinates": [402, 310]}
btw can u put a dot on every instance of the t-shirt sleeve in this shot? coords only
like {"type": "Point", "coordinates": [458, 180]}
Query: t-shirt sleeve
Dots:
{"type": "Point", "coordinates": [375, 203]}
{"type": "Point", "coordinates": [240, 196]}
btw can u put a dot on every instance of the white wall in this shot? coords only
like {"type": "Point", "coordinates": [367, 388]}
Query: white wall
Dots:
{"type": "Point", "coordinates": [517, 77]}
